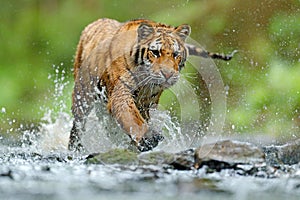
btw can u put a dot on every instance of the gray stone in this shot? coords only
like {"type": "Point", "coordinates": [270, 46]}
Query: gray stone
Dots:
{"type": "Point", "coordinates": [227, 154]}
{"type": "Point", "coordinates": [286, 154]}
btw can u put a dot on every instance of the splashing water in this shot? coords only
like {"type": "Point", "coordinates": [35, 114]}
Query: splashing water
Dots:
{"type": "Point", "coordinates": [55, 135]}
{"type": "Point", "coordinates": [55, 125]}
{"type": "Point", "coordinates": [174, 141]}
{"type": "Point", "coordinates": [102, 132]}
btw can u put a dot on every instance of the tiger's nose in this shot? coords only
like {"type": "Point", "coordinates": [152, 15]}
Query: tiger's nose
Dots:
{"type": "Point", "coordinates": [167, 73]}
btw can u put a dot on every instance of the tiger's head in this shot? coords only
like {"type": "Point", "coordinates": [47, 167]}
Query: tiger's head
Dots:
{"type": "Point", "coordinates": [160, 53]}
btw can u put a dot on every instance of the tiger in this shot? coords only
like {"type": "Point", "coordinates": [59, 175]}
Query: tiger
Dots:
{"type": "Point", "coordinates": [128, 65]}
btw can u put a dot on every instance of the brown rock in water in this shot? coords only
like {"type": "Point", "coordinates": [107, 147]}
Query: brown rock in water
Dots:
{"type": "Point", "coordinates": [228, 153]}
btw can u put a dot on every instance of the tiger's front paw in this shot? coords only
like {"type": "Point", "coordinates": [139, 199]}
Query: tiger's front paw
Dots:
{"type": "Point", "coordinates": [149, 141]}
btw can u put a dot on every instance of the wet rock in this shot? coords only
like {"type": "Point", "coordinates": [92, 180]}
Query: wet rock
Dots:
{"type": "Point", "coordinates": [114, 156]}
{"type": "Point", "coordinates": [240, 158]}
{"type": "Point", "coordinates": [286, 154]}
{"type": "Point", "coordinates": [156, 158]}
{"type": "Point", "coordinates": [182, 161]}
{"type": "Point", "coordinates": [228, 154]}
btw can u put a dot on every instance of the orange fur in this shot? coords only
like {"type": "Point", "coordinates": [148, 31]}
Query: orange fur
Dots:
{"type": "Point", "coordinates": [128, 65]}
{"type": "Point", "coordinates": [133, 62]}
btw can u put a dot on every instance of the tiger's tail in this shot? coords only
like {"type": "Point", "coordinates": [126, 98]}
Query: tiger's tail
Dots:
{"type": "Point", "coordinates": [196, 51]}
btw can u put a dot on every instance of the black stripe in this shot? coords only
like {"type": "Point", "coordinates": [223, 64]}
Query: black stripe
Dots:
{"type": "Point", "coordinates": [130, 72]}
{"type": "Point", "coordinates": [136, 55]}
{"type": "Point", "coordinates": [142, 54]}
{"type": "Point", "coordinates": [154, 95]}
{"type": "Point", "coordinates": [183, 60]}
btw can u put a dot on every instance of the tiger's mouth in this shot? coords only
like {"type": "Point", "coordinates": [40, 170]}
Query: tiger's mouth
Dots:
{"type": "Point", "coordinates": [160, 77]}
{"type": "Point", "coordinates": [164, 80]}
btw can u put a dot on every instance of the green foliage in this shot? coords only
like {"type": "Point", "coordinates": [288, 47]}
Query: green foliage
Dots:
{"type": "Point", "coordinates": [38, 40]}
{"type": "Point", "coordinates": [271, 105]}
{"type": "Point", "coordinates": [285, 36]}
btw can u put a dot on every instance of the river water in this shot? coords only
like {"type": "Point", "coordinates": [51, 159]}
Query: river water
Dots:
{"type": "Point", "coordinates": [40, 167]}
{"type": "Point", "coordinates": [29, 173]}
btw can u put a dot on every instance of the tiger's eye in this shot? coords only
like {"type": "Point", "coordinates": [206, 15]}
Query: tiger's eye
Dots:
{"type": "Point", "coordinates": [155, 53]}
{"type": "Point", "coordinates": [175, 54]}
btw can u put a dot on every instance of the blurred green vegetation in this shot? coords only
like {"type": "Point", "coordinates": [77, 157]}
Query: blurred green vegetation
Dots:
{"type": "Point", "coordinates": [38, 37]}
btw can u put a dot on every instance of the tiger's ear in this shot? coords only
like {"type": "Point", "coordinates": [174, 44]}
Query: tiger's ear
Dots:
{"type": "Point", "coordinates": [144, 31]}
{"type": "Point", "coordinates": [183, 31]}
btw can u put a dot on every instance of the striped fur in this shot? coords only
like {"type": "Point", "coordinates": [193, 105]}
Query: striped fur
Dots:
{"type": "Point", "coordinates": [128, 65]}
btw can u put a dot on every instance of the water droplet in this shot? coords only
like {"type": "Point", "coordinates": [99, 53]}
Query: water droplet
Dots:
{"type": "Point", "coordinates": [3, 110]}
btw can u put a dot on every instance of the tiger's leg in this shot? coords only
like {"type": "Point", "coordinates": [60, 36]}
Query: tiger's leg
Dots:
{"type": "Point", "coordinates": [122, 106]}
{"type": "Point", "coordinates": [81, 107]}
{"type": "Point", "coordinates": [74, 140]}
{"type": "Point", "coordinates": [196, 51]}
